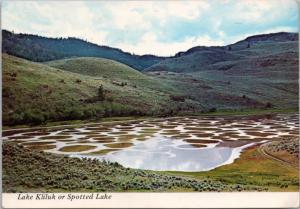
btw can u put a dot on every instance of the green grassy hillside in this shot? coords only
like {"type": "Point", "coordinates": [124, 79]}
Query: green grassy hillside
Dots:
{"type": "Point", "coordinates": [191, 93]}
{"type": "Point", "coordinates": [246, 85]}
{"type": "Point", "coordinates": [265, 72]}
{"type": "Point", "coordinates": [34, 92]}
{"type": "Point", "coordinates": [197, 61]}
{"type": "Point", "coordinates": [93, 88]}
{"type": "Point", "coordinates": [101, 68]}
{"type": "Point", "coordinates": [278, 48]}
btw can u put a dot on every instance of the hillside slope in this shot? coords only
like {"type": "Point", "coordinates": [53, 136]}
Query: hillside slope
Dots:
{"type": "Point", "coordinates": [40, 49]}
{"type": "Point", "coordinates": [259, 72]}
{"type": "Point", "coordinates": [192, 93]}
{"type": "Point", "coordinates": [34, 92]}
{"type": "Point", "coordinates": [253, 49]}
{"type": "Point", "coordinates": [263, 68]}
{"type": "Point", "coordinates": [267, 72]}
{"type": "Point", "coordinates": [98, 67]}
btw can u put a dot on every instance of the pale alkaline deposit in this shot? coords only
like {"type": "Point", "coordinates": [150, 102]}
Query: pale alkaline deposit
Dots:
{"type": "Point", "coordinates": [169, 144]}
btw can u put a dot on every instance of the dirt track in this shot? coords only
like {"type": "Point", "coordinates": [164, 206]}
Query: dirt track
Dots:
{"type": "Point", "coordinates": [262, 151]}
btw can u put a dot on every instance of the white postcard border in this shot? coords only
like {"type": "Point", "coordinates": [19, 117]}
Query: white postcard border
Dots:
{"type": "Point", "coordinates": [160, 200]}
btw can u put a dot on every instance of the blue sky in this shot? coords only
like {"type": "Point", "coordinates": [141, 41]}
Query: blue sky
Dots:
{"type": "Point", "coordinates": [152, 27]}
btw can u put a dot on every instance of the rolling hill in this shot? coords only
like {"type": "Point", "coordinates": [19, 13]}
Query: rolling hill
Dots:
{"type": "Point", "coordinates": [34, 92]}
{"type": "Point", "coordinates": [263, 68]}
{"type": "Point", "coordinates": [97, 67]}
{"type": "Point", "coordinates": [258, 72]}
{"type": "Point", "coordinates": [253, 49]}
{"type": "Point", "coordinates": [39, 49]}
{"type": "Point", "coordinates": [190, 93]}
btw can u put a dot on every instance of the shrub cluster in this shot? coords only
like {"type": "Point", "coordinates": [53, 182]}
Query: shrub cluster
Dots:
{"type": "Point", "coordinates": [177, 98]}
{"type": "Point", "coordinates": [25, 170]}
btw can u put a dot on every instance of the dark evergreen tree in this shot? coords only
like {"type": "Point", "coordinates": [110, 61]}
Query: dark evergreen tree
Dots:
{"type": "Point", "coordinates": [101, 95]}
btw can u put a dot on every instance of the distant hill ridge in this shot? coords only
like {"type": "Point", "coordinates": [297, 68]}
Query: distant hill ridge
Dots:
{"type": "Point", "coordinates": [41, 49]}
{"type": "Point", "coordinates": [251, 50]}
{"type": "Point", "coordinates": [272, 37]}
{"type": "Point", "coordinates": [281, 36]}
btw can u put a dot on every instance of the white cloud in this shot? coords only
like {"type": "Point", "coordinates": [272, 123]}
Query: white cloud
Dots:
{"type": "Point", "coordinates": [52, 19]}
{"type": "Point", "coordinates": [140, 26]}
{"type": "Point", "coordinates": [261, 11]}
{"type": "Point", "coordinates": [183, 9]}
{"type": "Point", "coordinates": [126, 15]}
{"type": "Point", "coordinates": [140, 14]}
{"type": "Point", "coordinates": [74, 18]}
{"type": "Point", "coordinates": [150, 45]}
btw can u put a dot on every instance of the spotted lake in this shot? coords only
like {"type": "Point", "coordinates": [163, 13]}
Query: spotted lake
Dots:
{"type": "Point", "coordinates": [177, 144]}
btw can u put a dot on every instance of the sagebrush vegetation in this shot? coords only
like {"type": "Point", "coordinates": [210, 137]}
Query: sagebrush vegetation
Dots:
{"type": "Point", "coordinates": [55, 173]}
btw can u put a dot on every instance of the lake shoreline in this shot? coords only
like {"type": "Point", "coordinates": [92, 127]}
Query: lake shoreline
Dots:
{"type": "Point", "coordinates": [222, 179]}
{"type": "Point", "coordinates": [113, 177]}
{"type": "Point", "coordinates": [75, 123]}
{"type": "Point", "coordinates": [173, 144]}
{"type": "Point", "coordinates": [59, 172]}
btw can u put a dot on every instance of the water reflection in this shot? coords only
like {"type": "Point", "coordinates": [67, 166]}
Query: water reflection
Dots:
{"type": "Point", "coordinates": [165, 154]}
{"type": "Point", "coordinates": [181, 143]}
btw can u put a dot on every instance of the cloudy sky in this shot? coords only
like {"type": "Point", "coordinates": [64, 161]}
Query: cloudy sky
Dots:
{"type": "Point", "coordinates": [152, 27]}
